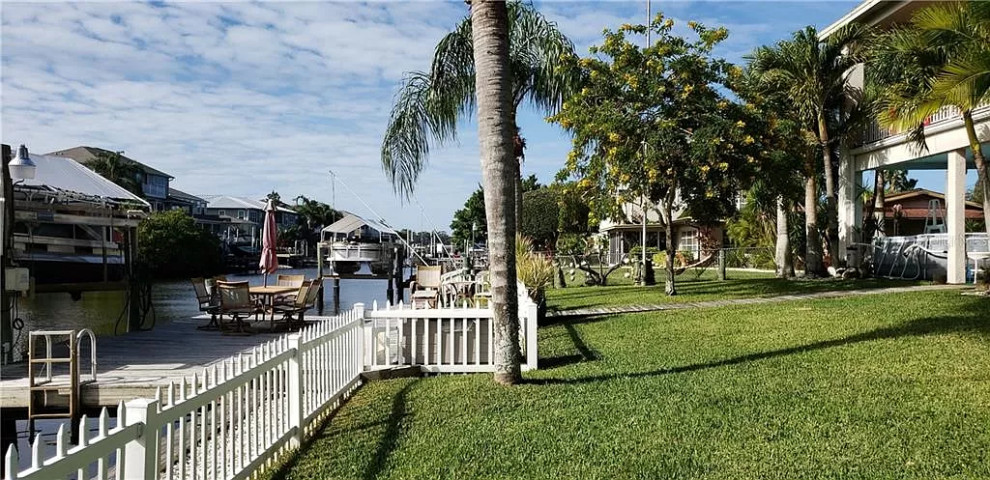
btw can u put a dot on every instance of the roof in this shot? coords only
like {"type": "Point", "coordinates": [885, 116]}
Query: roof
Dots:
{"type": "Point", "coordinates": [228, 202]}
{"type": "Point", "coordinates": [919, 192]}
{"type": "Point", "coordinates": [875, 13]}
{"type": "Point", "coordinates": [352, 222]}
{"type": "Point", "coordinates": [84, 154]}
{"type": "Point", "coordinates": [66, 174]}
{"type": "Point", "coordinates": [176, 194]}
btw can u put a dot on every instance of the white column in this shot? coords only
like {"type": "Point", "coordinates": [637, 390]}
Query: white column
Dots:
{"type": "Point", "coordinates": [850, 208]}
{"type": "Point", "coordinates": [955, 216]}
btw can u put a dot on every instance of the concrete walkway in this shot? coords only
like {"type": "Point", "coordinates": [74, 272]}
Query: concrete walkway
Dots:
{"type": "Point", "coordinates": [591, 312]}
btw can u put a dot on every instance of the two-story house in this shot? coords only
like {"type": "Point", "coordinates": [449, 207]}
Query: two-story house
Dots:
{"type": "Point", "coordinates": [153, 182]}
{"type": "Point", "coordinates": [689, 236]}
{"type": "Point", "coordinates": [947, 149]}
{"type": "Point", "coordinates": [245, 217]}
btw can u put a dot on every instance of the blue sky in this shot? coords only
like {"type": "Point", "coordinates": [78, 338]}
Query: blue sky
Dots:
{"type": "Point", "coordinates": [242, 98]}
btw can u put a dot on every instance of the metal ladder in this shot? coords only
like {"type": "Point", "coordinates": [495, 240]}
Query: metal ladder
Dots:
{"type": "Point", "coordinates": [55, 395]}
{"type": "Point", "coordinates": [935, 220]}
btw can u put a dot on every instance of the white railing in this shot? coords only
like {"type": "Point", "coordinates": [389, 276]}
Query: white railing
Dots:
{"type": "Point", "coordinates": [874, 132]}
{"type": "Point", "coordinates": [242, 414]}
{"type": "Point", "coordinates": [452, 339]}
{"type": "Point", "coordinates": [245, 413]}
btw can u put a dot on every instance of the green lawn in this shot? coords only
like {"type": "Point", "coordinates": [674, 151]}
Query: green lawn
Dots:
{"type": "Point", "coordinates": [893, 386]}
{"type": "Point", "coordinates": [692, 288]}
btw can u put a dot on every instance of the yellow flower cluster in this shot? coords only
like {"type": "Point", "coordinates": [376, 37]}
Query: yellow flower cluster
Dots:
{"type": "Point", "coordinates": [614, 137]}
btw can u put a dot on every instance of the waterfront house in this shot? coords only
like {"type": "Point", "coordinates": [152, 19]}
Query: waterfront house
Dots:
{"type": "Point", "coordinates": [154, 183]}
{"type": "Point", "coordinates": [244, 217]}
{"type": "Point", "coordinates": [878, 148]}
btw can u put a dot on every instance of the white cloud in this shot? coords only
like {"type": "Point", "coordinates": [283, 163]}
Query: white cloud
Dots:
{"type": "Point", "coordinates": [242, 98]}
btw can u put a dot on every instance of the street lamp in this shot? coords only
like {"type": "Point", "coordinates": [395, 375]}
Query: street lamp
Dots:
{"type": "Point", "coordinates": [22, 167]}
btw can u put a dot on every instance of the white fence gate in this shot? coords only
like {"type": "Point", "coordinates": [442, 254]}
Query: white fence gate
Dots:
{"type": "Point", "coordinates": [249, 412]}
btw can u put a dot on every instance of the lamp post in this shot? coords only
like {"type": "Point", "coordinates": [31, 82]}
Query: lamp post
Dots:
{"type": "Point", "coordinates": [20, 167]}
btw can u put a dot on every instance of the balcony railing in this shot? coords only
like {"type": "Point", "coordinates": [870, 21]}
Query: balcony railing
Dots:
{"type": "Point", "coordinates": [875, 133]}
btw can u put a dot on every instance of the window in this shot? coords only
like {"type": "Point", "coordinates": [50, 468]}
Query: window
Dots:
{"type": "Point", "coordinates": [688, 241]}
{"type": "Point", "coordinates": [242, 214]}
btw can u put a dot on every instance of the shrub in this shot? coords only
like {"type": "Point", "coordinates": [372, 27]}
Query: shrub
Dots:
{"type": "Point", "coordinates": [535, 270]}
{"type": "Point", "coordinates": [170, 245]}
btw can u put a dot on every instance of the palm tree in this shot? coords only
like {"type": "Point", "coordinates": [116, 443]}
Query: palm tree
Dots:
{"type": "Point", "coordinates": [813, 73]}
{"type": "Point", "coordinates": [496, 128]}
{"type": "Point", "coordinates": [940, 58]}
{"type": "Point", "coordinates": [113, 167]}
{"type": "Point", "coordinates": [429, 104]}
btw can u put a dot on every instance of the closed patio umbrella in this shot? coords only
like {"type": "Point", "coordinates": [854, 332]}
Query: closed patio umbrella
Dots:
{"type": "Point", "coordinates": [269, 260]}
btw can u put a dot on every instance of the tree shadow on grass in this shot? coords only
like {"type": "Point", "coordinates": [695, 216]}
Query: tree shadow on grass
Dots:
{"type": "Point", "coordinates": [703, 288]}
{"type": "Point", "coordinates": [973, 320]}
{"type": "Point", "coordinates": [390, 439]}
{"type": "Point", "coordinates": [585, 354]}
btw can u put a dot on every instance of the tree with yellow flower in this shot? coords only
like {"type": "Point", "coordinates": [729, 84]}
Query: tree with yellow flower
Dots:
{"type": "Point", "coordinates": [653, 125]}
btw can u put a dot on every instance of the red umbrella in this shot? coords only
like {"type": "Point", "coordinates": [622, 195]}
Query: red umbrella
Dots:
{"type": "Point", "coordinates": [269, 260]}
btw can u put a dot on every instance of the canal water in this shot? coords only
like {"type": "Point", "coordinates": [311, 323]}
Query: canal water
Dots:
{"type": "Point", "coordinates": [103, 312]}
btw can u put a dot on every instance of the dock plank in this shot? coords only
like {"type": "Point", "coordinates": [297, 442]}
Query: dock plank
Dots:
{"type": "Point", "coordinates": [135, 364]}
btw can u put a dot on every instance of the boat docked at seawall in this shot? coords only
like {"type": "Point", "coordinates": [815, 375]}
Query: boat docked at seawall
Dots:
{"type": "Point", "coordinates": [356, 245]}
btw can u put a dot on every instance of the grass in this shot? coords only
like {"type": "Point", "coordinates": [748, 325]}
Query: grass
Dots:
{"type": "Point", "coordinates": [894, 386]}
{"type": "Point", "coordinates": [695, 288]}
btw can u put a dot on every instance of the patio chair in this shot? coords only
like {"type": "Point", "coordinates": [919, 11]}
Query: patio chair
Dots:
{"type": "Point", "coordinates": [207, 303]}
{"type": "Point", "coordinates": [283, 280]}
{"type": "Point", "coordinates": [483, 289]}
{"type": "Point", "coordinates": [298, 305]}
{"type": "Point", "coordinates": [236, 301]}
{"type": "Point", "coordinates": [426, 289]}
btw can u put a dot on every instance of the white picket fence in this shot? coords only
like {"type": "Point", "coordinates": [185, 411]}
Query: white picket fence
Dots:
{"type": "Point", "coordinates": [249, 412]}
{"type": "Point", "coordinates": [455, 339]}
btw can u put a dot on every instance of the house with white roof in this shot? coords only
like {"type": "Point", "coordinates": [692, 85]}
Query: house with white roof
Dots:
{"type": "Point", "coordinates": [245, 216]}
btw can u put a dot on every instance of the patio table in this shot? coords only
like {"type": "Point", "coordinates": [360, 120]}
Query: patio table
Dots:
{"type": "Point", "coordinates": [268, 294]}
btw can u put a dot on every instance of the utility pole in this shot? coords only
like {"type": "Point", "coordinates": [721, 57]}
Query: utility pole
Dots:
{"type": "Point", "coordinates": [6, 225]}
{"type": "Point", "coordinates": [642, 205]}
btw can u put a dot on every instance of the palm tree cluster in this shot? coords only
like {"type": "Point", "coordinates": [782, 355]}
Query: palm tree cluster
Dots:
{"type": "Point", "coordinates": [812, 75]}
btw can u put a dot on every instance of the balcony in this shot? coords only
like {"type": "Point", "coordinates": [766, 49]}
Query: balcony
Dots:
{"type": "Point", "coordinates": [942, 119]}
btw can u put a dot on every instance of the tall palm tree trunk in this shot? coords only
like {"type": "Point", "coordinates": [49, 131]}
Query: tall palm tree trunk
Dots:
{"type": "Point", "coordinates": [982, 168]}
{"type": "Point", "coordinates": [490, 32]}
{"type": "Point", "coordinates": [831, 195]}
{"type": "Point", "coordinates": [813, 265]}
{"type": "Point", "coordinates": [782, 253]}
{"type": "Point", "coordinates": [518, 197]}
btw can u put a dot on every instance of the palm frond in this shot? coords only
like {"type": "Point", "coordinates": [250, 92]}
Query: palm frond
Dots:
{"type": "Point", "coordinates": [412, 126]}
{"type": "Point", "coordinates": [428, 105]}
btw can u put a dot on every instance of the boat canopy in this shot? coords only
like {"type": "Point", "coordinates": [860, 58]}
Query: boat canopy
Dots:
{"type": "Point", "coordinates": [353, 227]}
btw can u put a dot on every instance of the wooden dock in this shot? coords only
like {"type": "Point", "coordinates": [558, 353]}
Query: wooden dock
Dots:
{"type": "Point", "coordinates": [134, 365]}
